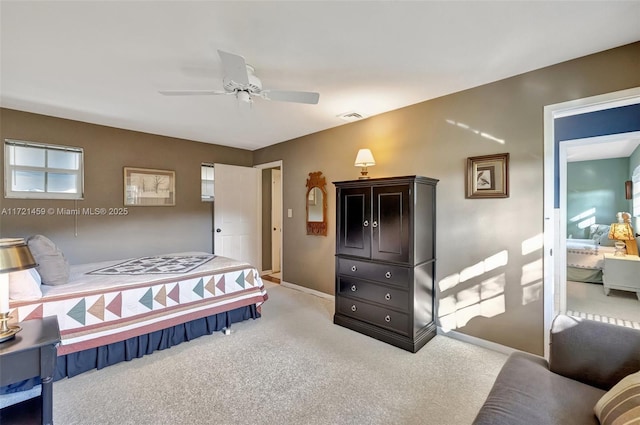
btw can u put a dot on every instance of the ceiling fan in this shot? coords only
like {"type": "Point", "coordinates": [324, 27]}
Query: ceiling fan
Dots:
{"type": "Point", "coordinates": [239, 79]}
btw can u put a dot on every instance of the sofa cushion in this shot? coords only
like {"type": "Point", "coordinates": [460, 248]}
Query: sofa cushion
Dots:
{"type": "Point", "coordinates": [621, 403]}
{"type": "Point", "coordinates": [526, 392]}
{"type": "Point", "coordinates": [52, 265]}
{"type": "Point", "coordinates": [612, 351]}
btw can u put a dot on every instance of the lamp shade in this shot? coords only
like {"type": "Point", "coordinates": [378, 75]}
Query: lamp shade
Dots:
{"type": "Point", "coordinates": [621, 232]}
{"type": "Point", "coordinates": [15, 255]}
{"type": "Point", "coordinates": [364, 158]}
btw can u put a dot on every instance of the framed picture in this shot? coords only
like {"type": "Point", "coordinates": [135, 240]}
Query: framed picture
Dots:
{"type": "Point", "coordinates": [488, 176]}
{"type": "Point", "coordinates": [146, 187]}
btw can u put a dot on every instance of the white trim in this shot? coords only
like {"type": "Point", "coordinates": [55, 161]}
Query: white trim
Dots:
{"type": "Point", "coordinates": [554, 287]}
{"type": "Point", "coordinates": [307, 290]}
{"type": "Point", "coordinates": [477, 341]}
{"type": "Point", "coordinates": [274, 164]}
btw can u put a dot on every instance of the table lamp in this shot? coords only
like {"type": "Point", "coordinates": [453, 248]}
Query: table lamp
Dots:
{"type": "Point", "coordinates": [622, 233]}
{"type": "Point", "coordinates": [14, 256]}
{"type": "Point", "coordinates": [364, 159]}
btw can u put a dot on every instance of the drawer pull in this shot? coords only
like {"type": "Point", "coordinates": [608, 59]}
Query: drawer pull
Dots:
{"type": "Point", "coordinates": [387, 275]}
{"type": "Point", "coordinates": [387, 318]}
{"type": "Point", "coordinates": [353, 308]}
{"type": "Point", "coordinates": [387, 297]}
{"type": "Point", "coordinates": [366, 223]}
{"type": "Point", "coordinates": [354, 268]}
{"type": "Point", "coordinates": [374, 224]}
{"type": "Point", "coordinates": [353, 288]}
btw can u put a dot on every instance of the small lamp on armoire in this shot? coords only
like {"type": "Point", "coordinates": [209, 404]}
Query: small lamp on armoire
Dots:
{"type": "Point", "coordinates": [364, 159]}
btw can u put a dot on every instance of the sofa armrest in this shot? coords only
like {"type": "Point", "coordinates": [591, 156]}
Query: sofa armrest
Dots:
{"type": "Point", "coordinates": [595, 353]}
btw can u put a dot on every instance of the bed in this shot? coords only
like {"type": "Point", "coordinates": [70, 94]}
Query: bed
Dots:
{"type": "Point", "coordinates": [585, 257]}
{"type": "Point", "coordinates": [115, 311]}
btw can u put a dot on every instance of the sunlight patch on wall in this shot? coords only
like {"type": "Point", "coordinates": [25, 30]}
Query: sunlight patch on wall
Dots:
{"type": "Point", "coordinates": [585, 218]}
{"type": "Point", "coordinates": [478, 132]}
{"type": "Point", "coordinates": [485, 299]}
{"type": "Point", "coordinates": [531, 282]}
{"type": "Point", "coordinates": [490, 263]}
{"type": "Point", "coordinates": [532, 244]}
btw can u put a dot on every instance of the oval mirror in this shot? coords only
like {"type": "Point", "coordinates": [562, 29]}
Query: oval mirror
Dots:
{"type": "Point", "coordinates": [316, 201]}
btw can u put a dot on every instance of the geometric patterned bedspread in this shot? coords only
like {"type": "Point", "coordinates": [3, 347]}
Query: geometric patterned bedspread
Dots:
{"type": "Point", "coordinates": [95, 317]}
{"type": "Point", "coordinates": [156, 265]}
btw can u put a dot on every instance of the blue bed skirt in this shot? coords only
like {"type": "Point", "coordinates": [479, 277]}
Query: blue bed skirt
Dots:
{"type": "Point", "coordinates": [97, 358]}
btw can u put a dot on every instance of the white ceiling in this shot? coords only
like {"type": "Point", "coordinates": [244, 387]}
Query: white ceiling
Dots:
{"type": "Point", "coordinates": [104, 61]}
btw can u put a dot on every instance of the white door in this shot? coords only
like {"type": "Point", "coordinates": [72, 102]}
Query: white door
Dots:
{"type": "Point", "coordinates": [236, 215]}
{"type": "Point", "coordinates": [276, 219]}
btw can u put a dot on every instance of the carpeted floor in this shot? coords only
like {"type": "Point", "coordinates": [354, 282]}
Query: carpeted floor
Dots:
{"type": "Point", "coordinates": [292, 366]}
{"type": "Point", "coordinates": [588, 300]}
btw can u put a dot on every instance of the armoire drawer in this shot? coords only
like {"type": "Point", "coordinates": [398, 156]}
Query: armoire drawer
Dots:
{"type": "Point", "coordinates": [386, 273]}
{"type": "Point", "coordinates": [381, 294]}
{"type": "Point", "coordinates": [379, 316]}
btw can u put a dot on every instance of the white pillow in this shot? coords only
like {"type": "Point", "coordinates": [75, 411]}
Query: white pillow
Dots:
{"type": "Point", "coordinates": [25, 285]}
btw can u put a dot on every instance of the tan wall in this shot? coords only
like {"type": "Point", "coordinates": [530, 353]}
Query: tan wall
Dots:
{"type": "Point", "coordinates": [476, 294]}
{"type": "Point", "coordinates": [145, 230]}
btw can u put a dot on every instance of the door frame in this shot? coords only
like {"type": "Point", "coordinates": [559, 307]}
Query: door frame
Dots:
{"type": "Point", "coordinates": [554, 293]}
{"type": "Point", "coordinates": [276, 212]}
{"type": "Point", "coordinates": [276, 164]}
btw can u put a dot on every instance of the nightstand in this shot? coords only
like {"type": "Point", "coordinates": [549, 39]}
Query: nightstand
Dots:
{"type": "Point", "coordinates": [621, 273]}
{"type": "Point", "coordinates": [31, 353]}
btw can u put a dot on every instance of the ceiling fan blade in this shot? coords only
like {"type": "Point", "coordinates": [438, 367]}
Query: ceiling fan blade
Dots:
{"type": "Point", "coordinates": [291, 96]}
{"type": "Point", "coordinates": [234, 67]}
{"type": "Point", "coordinates": [192, 92]}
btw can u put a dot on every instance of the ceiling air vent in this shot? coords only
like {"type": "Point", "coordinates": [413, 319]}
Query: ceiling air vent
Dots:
{"type": "Point", "coordinates": [351, 116]}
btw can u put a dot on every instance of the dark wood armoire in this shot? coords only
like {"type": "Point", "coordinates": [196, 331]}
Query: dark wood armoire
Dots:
{"type": "Point", "coordinates": [385, 259]}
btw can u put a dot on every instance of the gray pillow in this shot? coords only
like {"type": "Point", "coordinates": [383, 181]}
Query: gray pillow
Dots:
{"type": "Point", "coordinates": [52, 266]}
{"type": "Point", "coordinates": [605, 241]}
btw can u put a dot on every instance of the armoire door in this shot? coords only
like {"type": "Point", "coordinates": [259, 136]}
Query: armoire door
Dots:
{"type": "Point", "coordinates": [354, 237]}
{"type": "Point", "coordinates": [390, 223]}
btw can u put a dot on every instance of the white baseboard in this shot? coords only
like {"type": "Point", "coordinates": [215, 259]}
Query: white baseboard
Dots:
{"type": "Point", "coordinates": [264, 272]}
{"type": "Point", "coordinates": [477, 341]}
{"type": "Point", "coordinates": [307, 290]}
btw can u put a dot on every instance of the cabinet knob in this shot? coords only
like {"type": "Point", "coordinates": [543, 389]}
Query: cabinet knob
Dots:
{"type": "Point", "coordinates": [366, 223]}
{"type": "Point", "coordinates": [353, 288]}
{"type": "Point", "coordinates": [353, 308]}
{"type": "Point", "coordinates": [354, 268]}
{"type": "Point", "coordinates": [387, 297]}
{"type": "Point", "coordinates": [374, 224]}
{"type": "Point", "coordinates": [387, 318]}
{"type": "Point", "coordinates": [387, 275]}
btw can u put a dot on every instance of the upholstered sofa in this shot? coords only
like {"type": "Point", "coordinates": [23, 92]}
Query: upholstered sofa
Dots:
{"type": "Point", "coordinates": [587, 360]}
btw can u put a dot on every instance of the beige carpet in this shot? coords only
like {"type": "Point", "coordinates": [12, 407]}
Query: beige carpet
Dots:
{"type": "Point", "coordinates": [292, 366]}
{"type": "Point", "coordinates": [588, 300]}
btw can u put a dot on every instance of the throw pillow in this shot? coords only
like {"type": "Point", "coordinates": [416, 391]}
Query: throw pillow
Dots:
{"type": "Point", "coordinates": [605, 241]}
{"type": "Point", "coordinates": [597, 230]}
{"type": "Point", "coordinates": [621, 404]}
{"type": "Point", "coordinates": [52, 266]}
{"type": "Point", "coordinates": [25, 285]}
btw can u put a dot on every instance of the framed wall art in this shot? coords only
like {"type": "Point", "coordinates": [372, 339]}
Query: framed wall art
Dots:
{"type": "Point", "coordinates": [146, 187]}
{"type": "Point", "coordinates": [488, 176]}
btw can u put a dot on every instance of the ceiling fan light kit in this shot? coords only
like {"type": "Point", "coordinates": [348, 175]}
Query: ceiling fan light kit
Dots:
{"type": "Point", "coordinates": [240, 79]}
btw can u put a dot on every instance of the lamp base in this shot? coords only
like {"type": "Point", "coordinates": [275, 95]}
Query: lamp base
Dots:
{"type": "Point", "coordinates": [7, 331]}
{"type": "Point", "coordinates": [620, 249]}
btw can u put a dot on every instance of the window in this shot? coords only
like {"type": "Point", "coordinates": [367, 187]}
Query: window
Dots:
{"type": "Point", "coordinates": [40, 171]}
{"type": "Point", "coordinates": [207, 182]}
